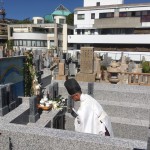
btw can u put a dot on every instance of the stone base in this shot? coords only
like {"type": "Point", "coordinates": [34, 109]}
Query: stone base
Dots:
{"type": "Point", "coordinates": [86, 77]}
{"type": "Point", "coordinates": [33, 118]}
{"type": "Point", "coordinates": [12, 105]}
{"type": "Point", "coordinates": [64, 77]}
{"type": "Point", "coordinates": [4, 111]}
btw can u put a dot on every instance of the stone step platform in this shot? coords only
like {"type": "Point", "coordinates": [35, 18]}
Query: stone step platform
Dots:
{"type": "Point", "coordinates": [130, 128]}
{"type": "Point", "coordinates": [123, 127]}
{"type": "Point", "coordinates": [19, 136]}
{"type": "Point", "coordinates": [126, 109]}
{"type": "Point", "coordinates": [109, 92]}
{"type": "Point", "coordinates": [121, 96]}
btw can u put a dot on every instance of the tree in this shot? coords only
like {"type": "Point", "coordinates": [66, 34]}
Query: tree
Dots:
{"type": "Point", "coordinates": [70, 19]}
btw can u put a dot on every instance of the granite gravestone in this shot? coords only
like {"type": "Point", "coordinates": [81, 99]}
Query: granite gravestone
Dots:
{"type": "Point", "coordinates": [91, 88]}
{"type": "Point", "coordinates": [61, 72]}
{"type": "Point", "coordinates": [34, 115]}
{"type": "Point", "coordinates": [72, 69]}
{"type": "Point", "coordinates": [53, 90]}
{"type": "Point", "coordinates": [86, 73]}
{"type": "Point", "coordinates": [11, 99]}
{"type": "Point", "coordinates": [3, 101]}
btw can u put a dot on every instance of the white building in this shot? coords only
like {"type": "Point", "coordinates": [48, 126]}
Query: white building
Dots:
{"type": "Point", "coordinates": [112, 26]}
{"type": "Point", "coordinates": [41, 34]}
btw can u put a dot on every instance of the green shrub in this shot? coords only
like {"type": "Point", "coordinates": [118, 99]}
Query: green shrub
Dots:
{"type": "Point", "coordinates": [146, 67]}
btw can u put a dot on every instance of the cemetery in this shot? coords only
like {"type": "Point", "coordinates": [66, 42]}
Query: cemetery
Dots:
{"type": "Point", "coordinates": [35, 106]}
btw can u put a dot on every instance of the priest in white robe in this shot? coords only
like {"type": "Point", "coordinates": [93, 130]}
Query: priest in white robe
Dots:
{"type": "Point", "coordinates": [90, 117]}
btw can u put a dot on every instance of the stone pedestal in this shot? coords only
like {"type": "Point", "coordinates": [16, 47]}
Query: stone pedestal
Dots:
{"type": "Point", "coordinates": [85, 77]}
{"type": "Point", "coordinates": [61, 77]}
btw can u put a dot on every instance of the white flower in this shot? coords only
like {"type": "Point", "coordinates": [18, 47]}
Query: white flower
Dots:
{"type": "Point", "coordinates": [38, 86]}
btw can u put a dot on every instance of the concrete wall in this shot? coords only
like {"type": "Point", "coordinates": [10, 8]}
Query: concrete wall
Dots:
{"type": "Point", "coordinates": [19, 137]}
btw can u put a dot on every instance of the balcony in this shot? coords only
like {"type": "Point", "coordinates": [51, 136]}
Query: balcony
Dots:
{"type": "Point", "coordinates": [118, 22]}
{"type": "Point", "coordinates": [110, 39]}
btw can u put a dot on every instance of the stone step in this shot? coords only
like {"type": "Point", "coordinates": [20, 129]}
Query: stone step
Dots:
{"type": "Point", "coordinates": [130, 128]}
{"type": "Point", "coordinates": [123, 127]}
{"type": "Point", "coordinates": [126, 109]}
{"type": "Point", "coordinates": [140, 98]}
{"type": "Point", "coordinates": [112, 87]}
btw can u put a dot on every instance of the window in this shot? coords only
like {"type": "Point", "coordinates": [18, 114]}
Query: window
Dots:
{"type": "Point", "coordinates": [92, 15]}
{"type": "Point", "coordinates": [129, 14]}
{"type": "Point", "coordinates": [38, 44]}
{"type": "Point", "coordinates": [106, 15]}
{"type": "Point", "coordinates": [20, 42]}
{"type": "Point", "coordinates": [78, 31]}
{"type": "Point", "coordinates": [51, 30]}
{"type": "Point", "coordinates": [123, 14]}
{"type": "Point", "coordinates": [42, 43]}
{"type": "Point", "coordinates": [60, 30]}
{"type": "Point", "coordinates": [98, 4]}
{"type": "Point", "coordinates": [51, 43]}
{"type": "Point", "coordinates": [39, 21]}
{"type": "Point", "coordinates": [59, 43]}
{"type": "Point", "coordinates": [33, 43]}
{"type": "Point", "coordinates": [92, 31]}
{"type": "Point", "coordinates": [80, 16]}
{"type": "Point", "coordinates": [28, 43]}
{"type": "Point", "coordinates": [138, 13]}
{"type": "Point", "coordinates": [83, 31]}
{"type": "Point", "coordinates": [61, 21]}
{"type": "Point", "coordinates": [24, 43]}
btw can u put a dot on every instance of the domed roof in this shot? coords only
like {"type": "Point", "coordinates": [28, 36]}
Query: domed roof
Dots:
{"type": "Point", "coordinates": [61, 11]}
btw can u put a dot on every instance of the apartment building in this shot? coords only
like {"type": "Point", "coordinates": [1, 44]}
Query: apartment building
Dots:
{"type": "Point", "coordinates": [112, 26]}
{"type": "Point", "coordinates": [41, 34]}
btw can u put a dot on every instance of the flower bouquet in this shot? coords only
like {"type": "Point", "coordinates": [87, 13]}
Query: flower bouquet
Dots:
{"type": "Point", "coordinates": [56, 103]}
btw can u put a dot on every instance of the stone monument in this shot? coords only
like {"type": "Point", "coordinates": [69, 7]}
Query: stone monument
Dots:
{"type": "Point", "coordinates": [86, 73]}
{"type": "Point", "coordinates": [61, 73]}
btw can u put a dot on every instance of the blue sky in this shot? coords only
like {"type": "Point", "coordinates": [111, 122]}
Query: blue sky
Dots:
{"type": "Point", "coordinates": [21, 9]}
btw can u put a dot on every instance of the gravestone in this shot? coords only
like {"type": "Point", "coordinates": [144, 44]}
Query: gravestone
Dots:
{"type": "Point", "coordinates": [11, 99]}
{"type": "Point", "coordinates": [34, 115]}
{"type": "Point", "coordinates": [3, 101]}
{"type": "Point", "coordinates": [91, 88]}
{"type": "Point", "coordinates": [61, 72]}
{"type": "Point", "coordinates": [86, 73]}
{"type": "Point", "coordinates": [97, 68]}
{"type": "Point", "coordinates": [123, 64]}
{"type": "Point", "coordinates": [72, 69]}
{"type": "Point", "coordinates": [131, 66]}
{"type": "Point", "coordinates": [53, 90]}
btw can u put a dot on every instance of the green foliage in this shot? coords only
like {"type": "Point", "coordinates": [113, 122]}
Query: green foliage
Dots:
{"type": "Point", "coordinates": [10, 44]}
{"type": "Point", "coordinates": [145, 67]}
{"type": "Point", "coordinates": [70, 19]}
{"type": "Point", "coordinates": [29, 73]}
{"type": "Point", "coordinates": [25, 21]}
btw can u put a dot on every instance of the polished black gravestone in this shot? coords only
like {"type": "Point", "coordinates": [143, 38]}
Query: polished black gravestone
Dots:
{"type": "Point", "coordinates": [3, 101]}
{"type": "Point", "coordinates": [53, 90]}
{"type": "Point", "coordinates": [11, 98]}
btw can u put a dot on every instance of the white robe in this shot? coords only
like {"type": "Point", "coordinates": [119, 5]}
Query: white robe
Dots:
{"type": "Point", "coordinates": [91, 117]}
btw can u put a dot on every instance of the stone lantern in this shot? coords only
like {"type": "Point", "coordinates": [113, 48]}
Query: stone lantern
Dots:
{"type": "Point", "coordinates": [113, 71]}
